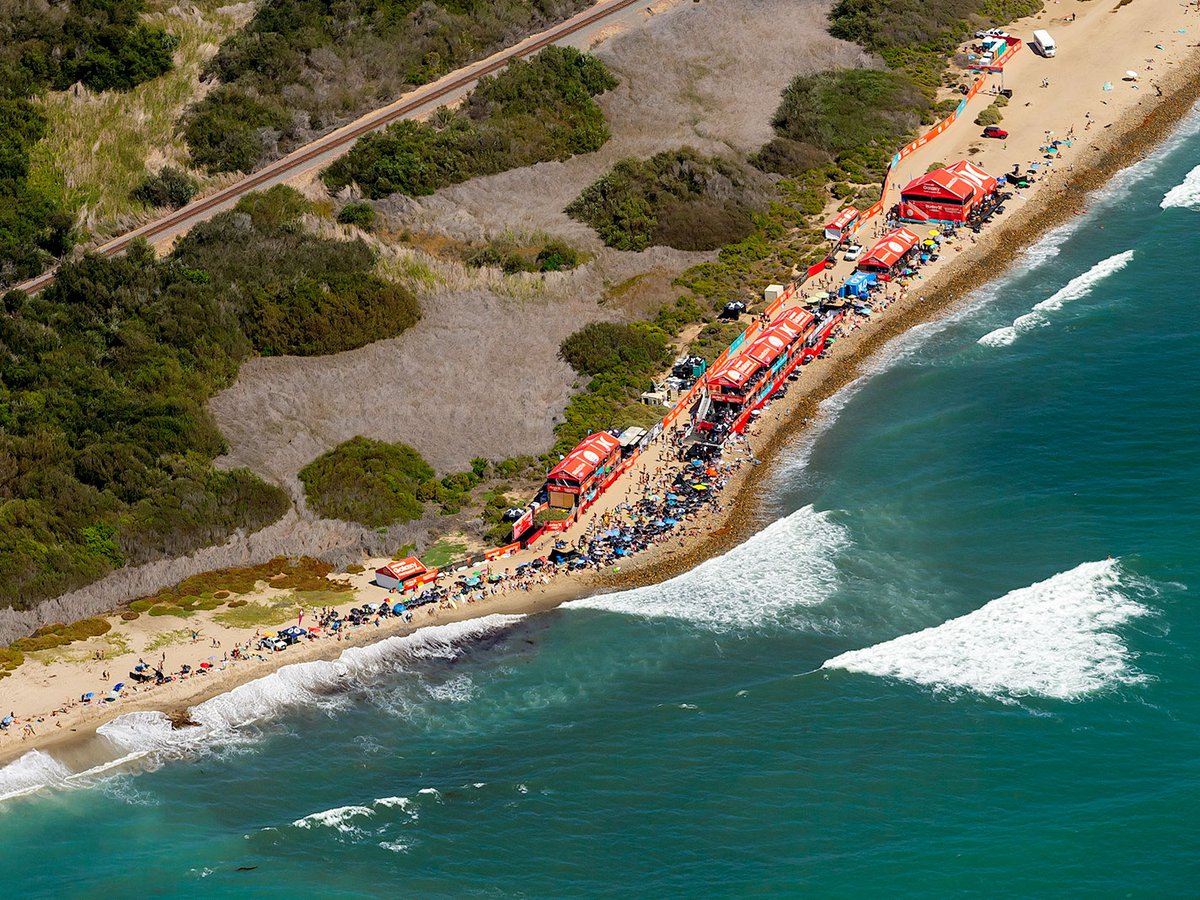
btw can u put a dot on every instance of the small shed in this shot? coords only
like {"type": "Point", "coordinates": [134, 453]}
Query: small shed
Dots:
{"type": "Point", "coordinates": [393, 575]}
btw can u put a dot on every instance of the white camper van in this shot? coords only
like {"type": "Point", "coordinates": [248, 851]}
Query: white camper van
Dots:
{"type": "Point", "coordinates": [1043, 43]}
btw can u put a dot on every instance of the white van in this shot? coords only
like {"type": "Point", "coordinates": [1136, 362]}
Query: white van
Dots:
{"type": "Point", "coordinates": [1043, 43]}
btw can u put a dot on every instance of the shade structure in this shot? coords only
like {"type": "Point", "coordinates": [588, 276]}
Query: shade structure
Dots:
{"type": "Point", "coordinates": [587, 456]}
{"type": "Point", "coordinates": [842, 224]}
{"type": "Point", "coordinates": [946, 195]}
{"type": "Point", "coordinates": [890, 249]}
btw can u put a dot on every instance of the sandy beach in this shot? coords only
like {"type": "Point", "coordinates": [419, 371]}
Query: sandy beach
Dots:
{"type": "Point", "coordinates": [1109, 130]}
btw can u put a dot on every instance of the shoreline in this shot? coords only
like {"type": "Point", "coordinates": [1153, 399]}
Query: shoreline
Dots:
{"type": "Point", "coordinates": [1054, 201]}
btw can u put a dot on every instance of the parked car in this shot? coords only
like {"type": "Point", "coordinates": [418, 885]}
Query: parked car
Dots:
{"type": "Point", "coordinates": [853, 252]}
{"type": "Point", "coordinates": [995, 131]}
{"type": "Point", "coordinates": [991, 32]}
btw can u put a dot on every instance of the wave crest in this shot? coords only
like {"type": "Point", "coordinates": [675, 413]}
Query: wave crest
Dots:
{"type": "Point", "coordinates": [1185, 195]}
{"type": "Point", "coordinates": [788, 566]}
{"type": "Point", "coordinates": [1056, 638]}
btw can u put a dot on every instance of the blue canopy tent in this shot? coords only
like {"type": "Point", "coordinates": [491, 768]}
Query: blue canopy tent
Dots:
{"type": "Point", "coordinates": [858, 285]}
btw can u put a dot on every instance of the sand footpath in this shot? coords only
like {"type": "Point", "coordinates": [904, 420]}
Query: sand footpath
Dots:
{"type": "Point", "coordinates": [1127, 123]}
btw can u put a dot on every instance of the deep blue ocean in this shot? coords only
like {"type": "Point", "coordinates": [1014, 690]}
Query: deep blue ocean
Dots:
{"type": "Point", "coordinates": [962, 658]}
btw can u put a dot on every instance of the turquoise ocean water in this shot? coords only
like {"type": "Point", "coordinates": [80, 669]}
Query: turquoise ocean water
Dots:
{"type": "Point", "coordinates": [962, 658]}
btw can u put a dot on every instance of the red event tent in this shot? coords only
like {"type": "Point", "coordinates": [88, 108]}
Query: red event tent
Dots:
{"type": "Point", "coordinates": [890, 249]}
{"type": "Point", "coordinates": [839, 225]}
{"type": "Point", "coordinates": [946, 195]}
{"type": "Point", "coordinates": [576, 472]}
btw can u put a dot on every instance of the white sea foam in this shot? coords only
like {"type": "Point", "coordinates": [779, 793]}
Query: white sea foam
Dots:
{"type": "Point", "coordinates": [1082, 285]}
{"type": "Point", "coordinates": [221, 720]}
{"type": "Point", "coordinates": [458, 689]}
{"type": "Point", "coordinates": [1001, 337]}
{"type": "Point", "coordinates": [339, 818]}
{"type": "Point", "coordinates": [1077, 287]}
{"type": "Point", "coordinates": [787, 566]}
{"type": "Point", "coordinates": [1186, 194]}
{"type": "Point", "coordinates": [31, 772]}
{"type": "Point", "coordinates": [402, 802]}
{"type": "Point", "coordinates": [1056, 638]}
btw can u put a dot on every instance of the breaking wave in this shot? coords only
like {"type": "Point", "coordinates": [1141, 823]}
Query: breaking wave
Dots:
{"type": "Point", "coordinates": [221, 722]}
{"type": "Point", "coordinates": [788, 566]}
{"type": "Point", "coordinates": [1056, 638]}
{"type": "Point", "coordinates": [32, 772]}
{"type": "Point", "coordinates": [1077, 287]}
{"type": "Point", "coordinates": [1185, 195]}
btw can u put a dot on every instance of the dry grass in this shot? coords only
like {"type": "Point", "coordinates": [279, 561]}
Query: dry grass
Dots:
{"type": "Point", "coordinates": [99, 145]}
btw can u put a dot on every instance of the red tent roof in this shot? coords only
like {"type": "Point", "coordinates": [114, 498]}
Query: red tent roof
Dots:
{"type": "Point", "coordinates": [890, 248]}
{"type": "Point", "coordinates": [973, 174]}
{"type": "Point", "coordinates": [962, 181]}
{"type": "Point", "coordinates": [403, 569]}
{"type": "Point", "coordinates": [735, 372]}
{"type": "Point", "coordinates": [842, 219]}
{"type": "Point", "coordinates": [801, 318]}
{"type": "Point", "coordinates": [587, 457]}
{"type": "Point", "coordinates": [768, 347]}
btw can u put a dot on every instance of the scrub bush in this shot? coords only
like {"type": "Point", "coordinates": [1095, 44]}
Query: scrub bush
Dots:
{"type": "Point", "coordinates": [370, 482]}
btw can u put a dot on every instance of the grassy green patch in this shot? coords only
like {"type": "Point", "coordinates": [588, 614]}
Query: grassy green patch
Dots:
{"type": "Point", "coordinates": [169, 639]}
{"type": "Point", "coordinates": [168, 609]}
{"type": "Point", "coordinates": [10, 661]}
{"type": "Point", "coordinates": [255, 614]}
{"type": "Point", "coordinates": [444, 551]}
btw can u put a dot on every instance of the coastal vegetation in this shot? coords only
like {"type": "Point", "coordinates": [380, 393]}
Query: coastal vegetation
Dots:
{"type": "Point", "coordinates": [541, 254]}
{"type": "Point", "coordinates": [367, 481]}
{"type": "Point", "coordinates": [100, 44]}
{"type": "Point", "coordinates": [917, 36]}
{"type": "Point", "coordinates": [49, 637]}
{"type": "Point", "coordinates": [676, 198]}
{"type": "Point", "coordinates": [106, 448]}
{"type": "Point", "coordinates": [302, 67]}
{"type": "Point", "coordinates": [620, 361]}
{"type": "Point", "coordinates": [533, 111]}
{"type": "Point", "coordinates": [170, 187]}
{"type": "Point", "coordinates": [98, 145]}
{"type": "Point", "coordinates": [854, 117]}
{"type": "Point", "coordinates": [992, 114]}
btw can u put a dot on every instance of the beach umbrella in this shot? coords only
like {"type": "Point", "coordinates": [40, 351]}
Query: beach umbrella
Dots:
{"type": "Point", "coordinates": [933, 232]}
{"type": "Point", "coordinates": [1107, 86]}
{"type": "Point", "coordinates": [700, 487]}
{"type": "Point", "coordinates": [87, 698]}
{"type": "Point", "coordinates": [1131, 75]}
{"type": "Point", "coordinates": [821, 295]}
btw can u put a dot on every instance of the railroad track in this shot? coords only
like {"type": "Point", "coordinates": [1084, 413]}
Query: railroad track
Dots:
{"type": "Point", "coordinates": [297, 160]}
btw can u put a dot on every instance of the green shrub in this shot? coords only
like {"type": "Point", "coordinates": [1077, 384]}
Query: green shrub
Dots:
{"type": "Point", "coordinates": [858, 116]}
{"type": "Point", "coordinates": [533, 111]}
{"type": "Point", "coordinates": [638, 349]}
{"type": "Point", "coordinates": [366, 481]}
{"type": "Point", "coordinates": [171, 187]}
{"type": "Point", "coordinates": [230, 131]}
{"type": "Point", "coordinates": [676, 198]}
{"type": "Point", "coordinates": [991, 114]}
{"type": "Point", "coordinates": [50, 636]}
{"type": "Point", "coordinates": [359, 214]}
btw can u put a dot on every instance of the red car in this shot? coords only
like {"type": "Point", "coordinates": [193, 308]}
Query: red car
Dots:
{"type": "Point", "coordinates": [995, 131]}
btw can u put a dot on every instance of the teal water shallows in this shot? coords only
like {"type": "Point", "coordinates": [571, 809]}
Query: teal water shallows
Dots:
{"type": "Point", "coordinates": [962, 658]}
